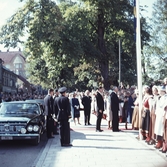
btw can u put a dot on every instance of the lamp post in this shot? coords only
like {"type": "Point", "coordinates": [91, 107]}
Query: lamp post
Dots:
{"type": "Point", "coordinates": [138, 52]}
{"type": "Point", "coordinates": [119, 62]}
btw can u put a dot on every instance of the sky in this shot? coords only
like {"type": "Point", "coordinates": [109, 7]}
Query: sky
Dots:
{"type": "Point", "coordinates": [9, 7]}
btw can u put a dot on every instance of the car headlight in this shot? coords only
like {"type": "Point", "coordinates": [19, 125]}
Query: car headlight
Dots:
{"type": "Point", "coordinates": [30, 128]}
{"type": "Point", "coordinates": [23, 130]}
{"type": "Point", "coordinates": [36, 128]}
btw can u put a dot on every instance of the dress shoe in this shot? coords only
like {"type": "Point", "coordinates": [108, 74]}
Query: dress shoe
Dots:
{"type": "Point", "coordinates": [147, 141]}
{"type": "Point", "coordinates": [99, 130]}
{"type": "Point", "coordinates": [117, 130]}
{"type": "Point", "coordinates": [144, 137]}
{"type": "Point", "coordinates": [56, 133]}
{"type": "Point", "coordinates": [138, 138]}
{"type": "Point", "coordinates": [51, 137]}
{"type": "Point", "coordinates": [152, 142]}
{"type": "Point", "coordinates": [89, 124]}
{"type": "Point", "coordinates": [163, 151]}
{"type": "Point", "coordinates": [66, 145]}
{"type": "Point", "coordinates": [157, 147]}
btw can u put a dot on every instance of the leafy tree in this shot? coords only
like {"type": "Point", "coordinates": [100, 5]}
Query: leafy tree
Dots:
{"type": "Point", "coordinates": [105, 23]}
{"type": "Point", "coordinates": [41, 21]}
{"type": "Point", "coordinates": [75, 43]}
{"type": "Point", "coordinates": [156, 52]}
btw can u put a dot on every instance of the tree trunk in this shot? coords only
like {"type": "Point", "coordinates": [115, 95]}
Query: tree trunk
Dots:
{"type": "Point", "coordinates": [103, 61]}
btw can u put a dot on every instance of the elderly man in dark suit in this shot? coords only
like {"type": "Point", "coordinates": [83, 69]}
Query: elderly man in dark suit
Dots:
{"type": "Point", "coordinates": [63, 115]}
{"type": "Point", "coordinates": [100, 106]}
{"type": "Point", "coordinates": [48, 102]}
{"type": "Point", "coordinates": [86, 101]}
{"type": "Point", "coordinates": [115, 109]}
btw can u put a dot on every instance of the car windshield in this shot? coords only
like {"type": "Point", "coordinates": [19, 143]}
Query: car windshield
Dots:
{"type": "Point", "coordinates": [19, 108]}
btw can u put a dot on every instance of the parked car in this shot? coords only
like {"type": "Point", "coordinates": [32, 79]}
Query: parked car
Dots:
{"type": "Point", "coordinates": [22, 120]}
{"type": "Point", "coordinates": [40, 101]}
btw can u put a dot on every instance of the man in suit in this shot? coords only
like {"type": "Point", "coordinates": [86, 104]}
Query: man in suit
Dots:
{"type": "Point", "coordinates": [48, 102]}
{"type": "Point", "coordinates": [100, 106]}
{"type": "Point", "coordinates": [56, 94]}
{"type": "Point", "coordinates": [115, 109]}
{"type": "Point", "coordinates": [86, 101]}
{"type": "Point", "coordinates": [63, 115]}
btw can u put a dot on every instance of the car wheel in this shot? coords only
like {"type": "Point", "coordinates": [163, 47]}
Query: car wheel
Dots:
{"type": "Point", "coordinates": [37, 140]}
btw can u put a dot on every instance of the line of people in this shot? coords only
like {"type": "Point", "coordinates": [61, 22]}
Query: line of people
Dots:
{"type": "Point", "coordinates": [154, 117]}
{"type": "Point", "coordinates": [119, 106]}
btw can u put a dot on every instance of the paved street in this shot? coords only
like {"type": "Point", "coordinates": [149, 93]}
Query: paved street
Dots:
{"type": "Point", "coordinates": [101, 149]}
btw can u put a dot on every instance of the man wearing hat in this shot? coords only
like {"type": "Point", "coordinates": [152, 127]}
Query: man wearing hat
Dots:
{"type": "Point", "coordinates": [63, 115]}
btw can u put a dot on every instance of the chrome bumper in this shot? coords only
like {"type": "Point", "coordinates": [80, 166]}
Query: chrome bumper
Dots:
{"type": "Point", "coordinates": [18, 136]}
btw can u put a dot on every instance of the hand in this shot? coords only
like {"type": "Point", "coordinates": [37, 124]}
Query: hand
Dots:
{"type": "Point", "coordinates": [77, 107]}
{"type": "Point", "coordinates": [100, 111]}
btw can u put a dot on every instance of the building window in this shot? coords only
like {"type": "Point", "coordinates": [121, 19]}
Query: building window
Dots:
{"type": "Point", "coordinates": [18, 68]}
{"type": "Point", "coordinates": [18, 65]}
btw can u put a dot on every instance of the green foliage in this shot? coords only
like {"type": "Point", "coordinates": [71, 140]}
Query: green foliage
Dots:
{"type": "Point", "coordinates": [156, 53]}
{"type": "Point", "coordinates": [76, 44]}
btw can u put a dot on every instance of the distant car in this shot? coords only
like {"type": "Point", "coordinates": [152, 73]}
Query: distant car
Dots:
{"type": "Point", "coordinates": [22, 120]}
{"type": "Point", "coordinates": [40, 101]}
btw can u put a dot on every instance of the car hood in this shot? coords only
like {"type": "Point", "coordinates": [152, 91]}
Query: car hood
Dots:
{"type": "Point", "coordinates": [16, 118]}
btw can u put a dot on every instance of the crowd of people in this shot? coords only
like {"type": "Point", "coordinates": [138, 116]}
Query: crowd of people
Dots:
{"type": "Point", "coordinates": [66, 107]}
{"type": "Point", "coordinates": [116, 105]}
{"type": "Point", "coordinates": [122, 105]}
{"type": "Point", "coordinates": [7, 97]}
{"type": "Point", "coordinates": [154, 117]}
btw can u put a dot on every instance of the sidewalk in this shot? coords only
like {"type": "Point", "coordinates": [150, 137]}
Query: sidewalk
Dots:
{"type": "Point", "coordinates": [100, 149]}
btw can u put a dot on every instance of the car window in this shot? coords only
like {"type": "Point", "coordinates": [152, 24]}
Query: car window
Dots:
{"type": "Point", "coordinates": [19, 108]}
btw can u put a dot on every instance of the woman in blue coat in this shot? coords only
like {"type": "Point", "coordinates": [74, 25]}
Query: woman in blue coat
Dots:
{"type": "Point", "coordinates": [76, 108]}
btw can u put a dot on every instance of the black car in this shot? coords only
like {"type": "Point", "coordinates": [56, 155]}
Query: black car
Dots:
{"type": "Point", "coordinates": [40, 101]}
{"type": "Point", "coordinates": [22, 120]}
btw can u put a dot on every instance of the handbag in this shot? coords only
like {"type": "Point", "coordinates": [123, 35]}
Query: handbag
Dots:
{"type": "Point", "coordinates": [104, 116]}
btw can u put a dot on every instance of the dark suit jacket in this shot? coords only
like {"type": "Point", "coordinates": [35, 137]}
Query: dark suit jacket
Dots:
{"type": "Point", "coordinates": [55, 107]}
{"type": "Point", "coordinates": [63, 106]}
{"type": "Point", "coordinates": [48, 102]}
{"type": "Point", "coordinates": [86, 101]}
{"type": "Point", "coordinates": [100, 101]}
{"type": "Point", "coordinates": [114, 102]}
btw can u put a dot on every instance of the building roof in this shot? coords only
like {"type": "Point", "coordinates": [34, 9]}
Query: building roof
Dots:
{"type": "Point", "coordinates": [23, 79]}
{"type": "Point", "coordinates": [8, 56]}
{"type": "Point", "coordinates": [18, 76]}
